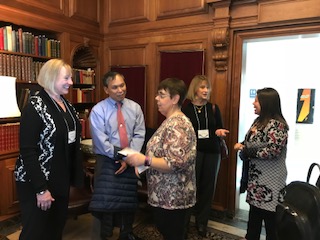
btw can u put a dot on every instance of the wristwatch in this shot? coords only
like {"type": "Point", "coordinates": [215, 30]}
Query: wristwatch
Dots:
{"type": "Point", "coordinates": [41, 193]}
{"type": "Point", "coordinates": [148, 161]}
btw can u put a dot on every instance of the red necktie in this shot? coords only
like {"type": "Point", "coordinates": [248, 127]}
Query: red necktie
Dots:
{"type": "Point", "coordinates": [122, 128]}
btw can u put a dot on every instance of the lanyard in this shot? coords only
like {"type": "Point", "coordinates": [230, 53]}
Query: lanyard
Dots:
{"type": "Point", "coordinates": [67, 107]}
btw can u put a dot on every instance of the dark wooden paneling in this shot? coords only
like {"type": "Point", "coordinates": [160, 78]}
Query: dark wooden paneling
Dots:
{"type": "Point", "coordinates": [55, 6]}
{"type": "Point", "coordinates": [124, 11]}
{"type": "Point", "coordinates": [287, 10]}
{"type": "Point", "coordinates": [128, 55]}
{"type": "Point", "coordinates": [85, 10]}
{"type": "Point", "coordinates": [167, 9]}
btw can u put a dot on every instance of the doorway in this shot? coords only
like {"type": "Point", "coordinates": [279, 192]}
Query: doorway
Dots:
{"type": "Point", "coordinates": [288, 64]}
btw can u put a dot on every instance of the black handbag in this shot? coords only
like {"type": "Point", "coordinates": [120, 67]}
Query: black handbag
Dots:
{"type": "Point", "coordinates": [298, 216]}
{"type": "Point", "coordinates": [223, 149]}
{"type": "Point", "coordinates": [310, 171]}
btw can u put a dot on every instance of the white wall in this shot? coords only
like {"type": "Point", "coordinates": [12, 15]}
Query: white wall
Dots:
{"type": "Point", "coordinates": [285, 64]}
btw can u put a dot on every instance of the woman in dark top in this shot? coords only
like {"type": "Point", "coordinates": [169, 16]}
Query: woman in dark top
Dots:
{"type": "Point", "coordinates": [207, 123]}
{"type": "Point", "coordinates": [49, 159]}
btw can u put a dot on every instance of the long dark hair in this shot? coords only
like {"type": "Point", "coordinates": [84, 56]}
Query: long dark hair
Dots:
{"type": "Point", "coordinates": [270, 105]}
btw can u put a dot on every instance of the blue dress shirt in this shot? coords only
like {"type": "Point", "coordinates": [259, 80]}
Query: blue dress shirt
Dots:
{"type": "Point", "coordinates": [104, 126]}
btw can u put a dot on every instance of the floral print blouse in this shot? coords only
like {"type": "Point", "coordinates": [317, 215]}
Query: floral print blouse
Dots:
{"type": "Point", "coordinates": [267, 168]}
{"type": "Point", "coordinates": [175, 141]}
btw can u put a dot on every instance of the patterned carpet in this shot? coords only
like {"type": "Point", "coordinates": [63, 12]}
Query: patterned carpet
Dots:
{"type": "Point", "coordinates": [149, 232]}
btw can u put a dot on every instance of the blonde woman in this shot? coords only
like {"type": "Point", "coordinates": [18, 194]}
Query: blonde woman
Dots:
{"type": "Point", "coordinates": [208, 126]}
{"type": "Point", "coordinates": [50, 158]}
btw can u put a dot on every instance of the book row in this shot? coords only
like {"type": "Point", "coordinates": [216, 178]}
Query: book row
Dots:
{"type": "Point", "coordinates": [9, 137]}
{"type": "Point", "coordinates": [25, 42]}
{"type": "Point", "coordinates": [81, 76]}
{"type": "Point", "coordinates": [23, 68]}
{"type": "Point", "coordinates": [84, 120]}
{"type": "Point", "coordinates": [83, 95]}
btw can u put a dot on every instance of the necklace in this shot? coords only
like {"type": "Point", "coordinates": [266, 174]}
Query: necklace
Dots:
{"type": "Point", "coordinates": [198, 108]}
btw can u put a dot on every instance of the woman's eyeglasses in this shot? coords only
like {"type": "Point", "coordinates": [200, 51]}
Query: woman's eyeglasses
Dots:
{"type": "Point", "coordinates": [162, 95]}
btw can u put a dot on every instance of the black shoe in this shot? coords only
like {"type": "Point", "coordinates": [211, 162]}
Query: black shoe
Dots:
{"type": "Point", "coordinates": [202, 230]}
{"type": "Point", "coordinates": [130, 236]}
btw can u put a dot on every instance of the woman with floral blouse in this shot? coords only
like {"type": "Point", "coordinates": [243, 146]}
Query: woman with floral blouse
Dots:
{"type": "Point", "coordinates": [265, 149]}
{"type": "Point", "coordinates": [170, 156]}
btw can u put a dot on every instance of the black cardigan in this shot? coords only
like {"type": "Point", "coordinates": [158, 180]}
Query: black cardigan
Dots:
{"type": "Point", "coordinates": [210, 144]}
{"type": "Point", "coordinates": [46, 160]}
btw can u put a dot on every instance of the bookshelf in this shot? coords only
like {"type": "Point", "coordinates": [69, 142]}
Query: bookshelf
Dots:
{"type": "Point", "coordinates": [83, 91]}
{"type": "Point", "coordinates": [23, 51]}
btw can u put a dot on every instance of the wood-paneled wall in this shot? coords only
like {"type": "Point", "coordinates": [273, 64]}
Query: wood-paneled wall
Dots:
{"type": "Point", "coordinates": [126, 32]}
{"type": "Point", "coordinates": [136, 32]}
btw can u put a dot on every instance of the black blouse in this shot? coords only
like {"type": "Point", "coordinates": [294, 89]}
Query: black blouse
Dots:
{"type": "Point", "coordinates": [206, 118]}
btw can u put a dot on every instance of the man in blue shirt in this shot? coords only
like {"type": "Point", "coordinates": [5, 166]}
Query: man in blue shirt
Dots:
{"type": "Point", "coordinates": [114, 199]}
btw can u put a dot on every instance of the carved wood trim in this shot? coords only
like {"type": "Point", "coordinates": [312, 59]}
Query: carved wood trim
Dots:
{"type": "Point", "coordinates": [220, 42]}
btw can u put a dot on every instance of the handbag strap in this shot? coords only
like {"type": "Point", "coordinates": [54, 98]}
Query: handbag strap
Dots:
{"type": "Point", "coordinates": [310, 171]}
{"type": "Point", "coordinates": [214, 108]}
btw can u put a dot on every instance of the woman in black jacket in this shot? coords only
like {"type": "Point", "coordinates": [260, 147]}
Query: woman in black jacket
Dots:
{"type": "Point", "coordinates": [49, 160]}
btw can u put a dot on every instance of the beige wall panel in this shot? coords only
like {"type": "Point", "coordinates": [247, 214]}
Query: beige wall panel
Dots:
{"type": "Point", "coordinates": [85, 10]}
{"type": "Point", "coordinates": [288, 10]}
{"type": "Point", "coordinates": [128, 56]}
{"type": "Point", "coordinates": [55, 6]}
{"type": "Point", "coordinates": [127, 11]}
{"type": "Point", "coordinates": [180, 8]}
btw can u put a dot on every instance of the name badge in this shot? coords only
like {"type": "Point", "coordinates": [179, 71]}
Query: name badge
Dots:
{"type": "Point", "coordinates": [72, 136]}
{"type": "Point", "coordinates": [203, 133]}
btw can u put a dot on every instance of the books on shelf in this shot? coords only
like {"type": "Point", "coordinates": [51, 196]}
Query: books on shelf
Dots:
{"type": "Point", "coordinates": [81, 76]}
{"type": "Point", "coordinates": [22, 67]}
{"type": "Point", "coordinates": [9, 137]}
{"type": "Point", "coordinates": [20, 41]}
{"type": "Point", "coordinates": [84, 121]}
{"type": "Point", "coordinates": [83, 95]}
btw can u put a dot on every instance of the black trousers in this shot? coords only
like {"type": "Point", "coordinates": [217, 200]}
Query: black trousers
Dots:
{"type": "Point", "coordinates": [256, 216]}
{"type": "Point", "coordinates": [207, 170]}
{"type": "Point", "coordinates": [36, 223]}
{"type": "Point", "coordinates": [108, 220]}
{"type": "Point", "coordinates": [170, 223]}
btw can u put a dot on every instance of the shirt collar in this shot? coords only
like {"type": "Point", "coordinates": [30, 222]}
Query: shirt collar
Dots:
{"type": "Point", "coordinates": [113, 102]}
